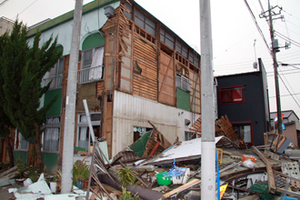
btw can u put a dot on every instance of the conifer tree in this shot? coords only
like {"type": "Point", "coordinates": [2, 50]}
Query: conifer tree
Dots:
{"type": "Point", "coordinates": [23, 68]}
{"type": "Point", "coordinates": [5, 124]}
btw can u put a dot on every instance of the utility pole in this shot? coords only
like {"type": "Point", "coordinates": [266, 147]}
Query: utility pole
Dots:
{"type": "Point", "coordinates": [69, 127]}
{"type": "Point", "coordinates": [275, 64]}
{"type": "Point", "coordinates": [208, 185]}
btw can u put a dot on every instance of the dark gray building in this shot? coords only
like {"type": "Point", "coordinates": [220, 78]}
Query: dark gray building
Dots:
{"type": "Point", "coordinates": [244, 99]}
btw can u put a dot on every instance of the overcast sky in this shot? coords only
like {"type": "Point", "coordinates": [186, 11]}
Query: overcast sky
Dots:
{"type": "Point", "coordinates": [237, 42]}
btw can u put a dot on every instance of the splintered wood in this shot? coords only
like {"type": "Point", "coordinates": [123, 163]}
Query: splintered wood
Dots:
{"type": "Point", "coordinates": [156, 143]}
{"type": "Point", "coordinates": [223, 127]}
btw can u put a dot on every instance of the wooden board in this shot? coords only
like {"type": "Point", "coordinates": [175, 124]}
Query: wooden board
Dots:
{"type": "Point", "coordinates": [182, 188]}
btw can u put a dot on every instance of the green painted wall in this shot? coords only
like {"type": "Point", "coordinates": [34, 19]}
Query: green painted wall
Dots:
{"type": "Point", "coordinates": [50, 161]}
{"type": "Point", "coordinates": [20, 154]}
{"type": "Point", "coordinates": [93, 40]}
{"type": "Point", "coordinates": [56, 108]}
{"type": "Point", "coordinates": [183, 99]}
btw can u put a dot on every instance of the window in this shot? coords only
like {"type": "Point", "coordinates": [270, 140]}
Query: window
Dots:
{"type": "Point", "coordinates": [129, 7]}
{"type": "Point", "coordinates": [194, 58]}
{"type": "Point", "coordinates": [243, 131]}
{"type": "Point", "coordinates": [92, 65]}
{"type": "Point", "coordinates": [20, 142]}
{"type": "Point", "coordinates": [182, 82]}
{"type": "Point", "coordinates": [84, 139]}
{"type": "Point", "coordinates": [232, 95]}
{"type": "Point", "coordinates": [182, 49]}
{"type": "Point", "coordinates": [167, 38]}
{"type": "Point", "coordinates": [55, 75]}
{"type": "Point", "coordinates": [187, 135]}
{"type": "Point", "coordinates": [145, 22]}
{"type": "Point", "coordinates": [51, 134]}
{"type": "Point", "coordinates": [139, 131]}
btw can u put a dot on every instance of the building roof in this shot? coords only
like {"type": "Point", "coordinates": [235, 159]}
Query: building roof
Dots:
{"type": "Point", "coordinates": [287, 114]}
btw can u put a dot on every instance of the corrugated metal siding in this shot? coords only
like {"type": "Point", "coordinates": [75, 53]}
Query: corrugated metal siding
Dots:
{"type": "Point", "coordinates": [132, 111]}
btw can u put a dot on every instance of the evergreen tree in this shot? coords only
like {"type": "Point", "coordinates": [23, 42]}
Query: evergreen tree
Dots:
{"type": "Point", "coordinates": [5, 124]}
{"type": "Point", "coordinates": [22, 68]}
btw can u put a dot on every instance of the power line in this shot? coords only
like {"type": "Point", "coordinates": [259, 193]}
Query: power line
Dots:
{"type": "Point", "coordinates": [257, 26]}
{"type": "Point", "coordinates": [289, 91]}
{"type": "Point", "coordinates": [3, 2]}
{"type": "Point", "coordinates": [286, 95]}
{"type": "Point", "coordinates": [28, 7]}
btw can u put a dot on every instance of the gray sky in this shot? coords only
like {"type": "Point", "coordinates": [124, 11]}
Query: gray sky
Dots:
{"type": "Point", "coordinates": [233, 29]}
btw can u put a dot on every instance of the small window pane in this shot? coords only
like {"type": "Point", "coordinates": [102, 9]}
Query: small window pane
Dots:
{"type": "Point", "coordinates": [87, 58]}
{"type": "Point", "coordinates": [60, 65]}
{"type": "Point", "coordinates": [139, 15]}
{"type": "Point", "coordinates": [139, 22]}
{"type": "Point", "coordinates": [150, 29]}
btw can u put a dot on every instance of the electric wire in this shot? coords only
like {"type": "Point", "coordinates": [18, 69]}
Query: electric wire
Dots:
{"type": "Point", "coordinates": [26, 8]}
{"type": "Point", "coordinates": [288, 90]}
{"type": "Point", "coordinates": [286, 81]}
{"type": "Point", "coordinates": [257, 26]}
{"type": "Point", "coordinates": [3, 2]}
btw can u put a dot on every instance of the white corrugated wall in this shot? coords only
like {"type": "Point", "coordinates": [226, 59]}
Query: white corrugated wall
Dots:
{"type": "Point", "coordinates": [129, 111]}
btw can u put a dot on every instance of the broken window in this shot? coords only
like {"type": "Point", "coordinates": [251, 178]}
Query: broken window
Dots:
{"type": "Point", "coordinates": [84, 139]}
{"type": "Point", "coordinates": [20, 142]}
{"type": "Point", "coordinates": [129, 7]}
{"type": "Point", "coordinates": [92, 65]}
{"type": "Point", "coordinates": [187, 135]}
{"type": "Point", "coordinates": [51, 134]}
{"type": "Point", "coordinates": [139, 131]}
{"type": "Point", "coordinates": [232, 95]}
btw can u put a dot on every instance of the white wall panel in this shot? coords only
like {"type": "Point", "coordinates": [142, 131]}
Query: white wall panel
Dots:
{"type": "Point", "coordinates": [132, 111]}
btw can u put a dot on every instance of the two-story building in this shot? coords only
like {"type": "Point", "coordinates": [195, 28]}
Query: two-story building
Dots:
{"type": "Point", "coordinates": [132, 69]}
{"type": "Point", "coordinates": [244, 99]}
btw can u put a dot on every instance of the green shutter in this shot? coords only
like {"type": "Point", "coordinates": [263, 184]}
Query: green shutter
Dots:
{"type": "Point", "coordinates": [183, 99]}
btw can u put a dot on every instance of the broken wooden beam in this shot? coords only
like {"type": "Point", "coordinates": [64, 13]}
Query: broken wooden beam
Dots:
{"type": "Point", "coordinates": [271, 181]}
{"type": "Point", "coordinates": [182, 188]}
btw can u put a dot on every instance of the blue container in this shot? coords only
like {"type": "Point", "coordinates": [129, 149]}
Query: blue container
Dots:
{"type": "Point", "coordinates": [79, 184]}
{"type": "Point", "coordinates": [288, 198]}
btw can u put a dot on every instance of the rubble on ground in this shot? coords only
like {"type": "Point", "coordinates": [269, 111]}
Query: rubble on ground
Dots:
{"type": "Point", "coordinates": [161, 170]}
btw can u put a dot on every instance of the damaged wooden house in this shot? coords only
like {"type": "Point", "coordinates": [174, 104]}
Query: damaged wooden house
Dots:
{"type": "Point", "coordinates": [132, 68]}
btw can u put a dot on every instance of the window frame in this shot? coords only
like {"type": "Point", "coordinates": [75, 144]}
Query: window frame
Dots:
{"type": "Point", "coordinates": [55, 74]}
{"type": "Point", "coordinates": [144, 22]}
{"type": "Point", "coordinates": [232, 101]}
{"type": "Point", "coordinates": [84, 124]}
{"type": "Point", "coordinates": [183, 79]}
{"type": "Point", "coordinates": [17, 133]}
{"type": "Point", "coordinates": [89, 66]}
{"type": "Point", "coordinates": [244, 123]}
{"type": "Point", "coordinates": [52, 125]}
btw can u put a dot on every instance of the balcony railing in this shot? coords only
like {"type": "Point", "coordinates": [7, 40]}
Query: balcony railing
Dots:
{"type": "Point", "coordinates": [56, 82]}
{"type": "Point", "coordinates": [91, 74]}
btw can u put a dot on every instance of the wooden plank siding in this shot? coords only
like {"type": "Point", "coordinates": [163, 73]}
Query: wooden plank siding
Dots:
{"type": "Point", "coordinates": [195, 95]}
{"type": "Point", "coordinates": [145, 83]}
{"type": "Point", "coordinates": [166, 79]}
